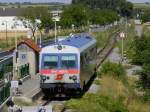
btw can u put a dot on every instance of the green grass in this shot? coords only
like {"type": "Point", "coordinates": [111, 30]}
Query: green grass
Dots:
{"type": "Point", "coordinates": [142, 6]}
{"type": "Point", "coordinates": [146, 31]}
{"type": "Point", "coordinates": [4, 45]}
{"type": "Point", "coordinates": [103, 37]}
{"type": "Point", "coordinates": [113, 96]}
{"type": "Point", "coordinates": [97, 82]}
{"type": "Point", "coordinates": [96, 103]}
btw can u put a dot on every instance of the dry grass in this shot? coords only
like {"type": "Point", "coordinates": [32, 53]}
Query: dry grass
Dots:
{"type": "Point", "coordinates": [11, 34]}
{"type": "Point", "coordinates": [125, 93]}
{"type": "Point", "coordinates": [112, 86]}
{"type": "Point", "coordinates": [138, 106]}
{"type": "Point", "coordinates": [22, 101]}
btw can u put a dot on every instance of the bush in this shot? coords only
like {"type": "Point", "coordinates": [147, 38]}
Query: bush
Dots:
{"type": "Point", "coordinates": [96, 103]}
{"type": "Point", "coordinates": [113, 69]}
{"type": "Point", "coordinates": [146, 95]}
{"type": "Point", "coordinates": [144, 81]}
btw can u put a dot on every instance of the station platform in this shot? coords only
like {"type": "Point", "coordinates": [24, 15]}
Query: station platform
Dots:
{"type": "Point", "coordinates": [37, 109]}
{"type": "Point", "coordinates": [30, 87]}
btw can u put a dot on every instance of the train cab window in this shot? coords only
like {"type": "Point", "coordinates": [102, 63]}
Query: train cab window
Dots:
{"type": "Point", "coordinates": [68, 61]}
{"type": "Point", "coordinates": [50, 62]}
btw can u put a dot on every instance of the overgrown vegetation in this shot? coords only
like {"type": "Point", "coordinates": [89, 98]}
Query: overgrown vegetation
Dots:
{"type": "Point", "coordinates": [129, 30]}
{"type": "Point", "coordinates": [114, 95]}
{"type": "Point", "coordinates": [103, 37]}
{"type": "Point", "coordinates": [146, 16]}
{"type": "Point", "coordinates": [96, 103]}
{"type": "Point", "coordinates": [113, 69]}
{"type": "Point", "coordinates": [142, 57]}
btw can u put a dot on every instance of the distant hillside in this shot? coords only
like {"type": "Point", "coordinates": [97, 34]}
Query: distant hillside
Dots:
{"type": "Point", "coordinates": [54, 5]}
{"type": "Point", "coordinates": [141, 5]}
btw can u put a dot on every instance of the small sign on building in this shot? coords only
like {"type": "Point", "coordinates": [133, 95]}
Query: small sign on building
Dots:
{"type": "Point", "coordinates": [14, 84]}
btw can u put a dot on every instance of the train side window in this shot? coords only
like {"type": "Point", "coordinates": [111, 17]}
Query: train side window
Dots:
{"type": "Point", "coordinates": [85, 58]}
{"type": "Point", "coordinates": [81, 60]}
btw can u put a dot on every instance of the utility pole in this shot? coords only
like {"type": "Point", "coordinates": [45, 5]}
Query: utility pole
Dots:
{"type": "Point", "coordinates": [16, 52]}
{"type": "Point", "coordinates": [40, 40]}
{"type": "Point", "coordinates": [55, 31]}
{"type": "Point", "coordinates": [122, 36]}
{"type": "Point", "coordinates": [55, 19]}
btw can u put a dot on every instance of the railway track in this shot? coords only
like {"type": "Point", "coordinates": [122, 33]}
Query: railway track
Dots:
{"type": "Point", "coordinates": [106, 50]}
{"type": "Point", "coordinates": [56, 103]}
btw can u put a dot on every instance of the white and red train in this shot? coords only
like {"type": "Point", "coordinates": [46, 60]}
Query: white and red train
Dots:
{"type": "Point", "coordinates": [68, 64]}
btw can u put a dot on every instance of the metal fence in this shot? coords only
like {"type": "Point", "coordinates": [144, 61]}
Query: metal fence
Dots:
{"type": "Point", "coordinates": [4, 92]}
{"type": "Point", "coordinates": [24, 70]}
{"type": "Point", "coordinates": [4, 69]}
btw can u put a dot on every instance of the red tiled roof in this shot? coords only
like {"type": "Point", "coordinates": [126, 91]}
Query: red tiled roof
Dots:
{"type": "Point", "coordinates": [31, 44]}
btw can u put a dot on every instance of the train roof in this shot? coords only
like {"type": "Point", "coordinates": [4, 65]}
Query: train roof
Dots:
{"type": "Point", "coordinates": [81, 41]}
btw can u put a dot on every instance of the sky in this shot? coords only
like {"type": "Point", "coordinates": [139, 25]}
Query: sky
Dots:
{"type": "Point", "coordinates": [64, 1]}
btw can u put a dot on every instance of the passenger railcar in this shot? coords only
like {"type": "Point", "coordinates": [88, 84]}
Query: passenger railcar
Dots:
{"type": "Point", "coordinates": [68, 64]}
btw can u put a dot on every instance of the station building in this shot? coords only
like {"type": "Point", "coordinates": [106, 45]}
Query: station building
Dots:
{"type": "Point", "coordinates": [25, 58]}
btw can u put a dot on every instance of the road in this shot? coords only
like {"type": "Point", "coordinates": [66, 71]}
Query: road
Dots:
{"type": "Point", "coordinates": [139, 29]}
{"type": "Point", "coordinates": [115, 57]}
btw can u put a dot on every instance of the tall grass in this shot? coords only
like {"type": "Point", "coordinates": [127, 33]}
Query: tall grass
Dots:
{"type": "Point", "coordinates": [4, 45]}
{"type": "Point", "coordinates": [119, 91]}
{"type": "Point", "coordinates": [103, 37]}
{"type": "Point", "coordinates": [116, 93]}
{"type": "Point", "coordinates": [96, 103]}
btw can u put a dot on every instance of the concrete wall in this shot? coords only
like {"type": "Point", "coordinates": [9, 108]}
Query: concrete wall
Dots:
{"type": "Point", "coordinates": [32, 62]}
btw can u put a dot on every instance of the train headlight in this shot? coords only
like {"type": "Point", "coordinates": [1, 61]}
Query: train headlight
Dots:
{"type": "Point", "coordinates": [74, 78]}
{"type": "Point", "coordinates": [43, 78]}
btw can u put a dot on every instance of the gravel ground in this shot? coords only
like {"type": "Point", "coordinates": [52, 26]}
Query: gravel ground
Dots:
{"type": "Point", "coordinates": [116, 58]}
{"type": "Point", "coordinates": [94, 88]}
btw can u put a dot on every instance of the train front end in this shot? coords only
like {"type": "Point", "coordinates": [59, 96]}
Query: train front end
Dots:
{"type": "Point", "coordinates": [59, 68]}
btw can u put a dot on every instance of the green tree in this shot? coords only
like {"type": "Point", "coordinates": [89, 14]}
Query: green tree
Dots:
{"type": "Point", "coordinates": [74, 14]}
{"type": "Point", "coordinates": [142, 57]}
{"type": "Point", "coordinates": [104, 16]}
{"type": "Point", "coordinates": [31, 15]}
{"type": "Point", "coordinates": [146, 16]}
{"type": "Point", "coordinates": [121, 6]}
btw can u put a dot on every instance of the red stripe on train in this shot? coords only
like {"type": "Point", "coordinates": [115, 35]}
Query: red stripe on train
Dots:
{"type": "Point", "coordinates": [72, 71]}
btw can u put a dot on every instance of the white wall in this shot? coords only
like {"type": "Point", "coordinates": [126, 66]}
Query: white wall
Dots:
{"type": "Point", "coordinates": [10, 23]}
